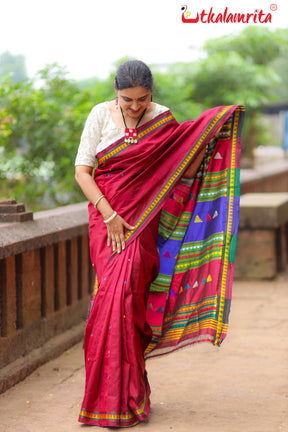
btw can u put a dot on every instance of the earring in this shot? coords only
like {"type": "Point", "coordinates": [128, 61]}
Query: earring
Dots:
{"type": "Point", "coordinates": [116, 102]}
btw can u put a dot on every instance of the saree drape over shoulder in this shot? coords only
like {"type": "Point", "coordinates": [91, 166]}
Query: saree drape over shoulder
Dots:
{"type": "Point", "coordinates": [171, 287]}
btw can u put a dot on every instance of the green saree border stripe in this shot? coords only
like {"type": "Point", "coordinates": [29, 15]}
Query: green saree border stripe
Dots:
{"type": "Point", "coordinates": [230, 211]}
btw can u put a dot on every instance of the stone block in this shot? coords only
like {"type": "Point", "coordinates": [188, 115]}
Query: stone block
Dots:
{"type": "Point", "coordinates": [16, 217]}
{"type": "Point", "coordinates": [263, 210]}
{"type": "Point", "coordinates": [11, 208]}
{"type": "Point", "coordinates": [262, 241]}
{"type": "Point", "coordinates": [10, 211]}
{"type": "Point", "coordinates": [255, 254]}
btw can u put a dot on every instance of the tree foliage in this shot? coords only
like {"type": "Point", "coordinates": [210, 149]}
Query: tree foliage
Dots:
{"type": "Point", "coordinates": [40, 125]}
{"type": "Point", "coordinates": [174, 88]}
{"type": "Point", "coordinates": [256, 44]}
{"type": "Point", "coordinates": [239, 70]}
{"type": "Point", "coordinates": [225, 80]}
{"type": "Point", "coordinates": [280, 64]}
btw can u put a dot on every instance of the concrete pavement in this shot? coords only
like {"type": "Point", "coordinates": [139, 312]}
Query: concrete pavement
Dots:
{"type": "Point", "coordinates": [241, 387]}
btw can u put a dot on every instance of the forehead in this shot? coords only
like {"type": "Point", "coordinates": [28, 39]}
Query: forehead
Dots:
{"type": "Point", "coordinates": [134, 92]}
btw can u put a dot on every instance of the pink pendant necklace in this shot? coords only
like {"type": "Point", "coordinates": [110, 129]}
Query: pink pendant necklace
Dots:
{"type": "Point", "coordinates": [130, 133]}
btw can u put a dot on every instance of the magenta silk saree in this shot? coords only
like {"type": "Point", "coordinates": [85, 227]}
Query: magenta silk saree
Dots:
{"type": "Point", "coordinates": [171, 287]}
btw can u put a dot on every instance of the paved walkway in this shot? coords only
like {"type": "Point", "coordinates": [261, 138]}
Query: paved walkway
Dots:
{"type": "Point", "coordinates": [241, 387]}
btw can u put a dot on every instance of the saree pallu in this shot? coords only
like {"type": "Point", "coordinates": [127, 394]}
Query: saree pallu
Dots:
{"type": "Point", "coordinates": [171, 286]}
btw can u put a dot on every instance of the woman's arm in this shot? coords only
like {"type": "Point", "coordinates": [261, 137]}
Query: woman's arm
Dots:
{"type": "Point", "coordinates": [193, 168]}
{"type": "Point", "coordinates": [115, 228]}
{"type": "Point", "coordinates": [83, 175]}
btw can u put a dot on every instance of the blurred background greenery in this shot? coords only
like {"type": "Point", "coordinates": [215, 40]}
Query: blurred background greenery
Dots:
{"type": "Point", "coordinates": [41, 118]}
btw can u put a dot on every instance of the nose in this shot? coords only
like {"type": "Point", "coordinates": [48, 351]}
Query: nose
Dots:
{"type": "Point", "coordinates": [135, 105]}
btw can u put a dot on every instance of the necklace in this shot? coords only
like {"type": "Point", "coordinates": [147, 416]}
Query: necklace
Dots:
{"type": "Point", "coordinates": [130, 133]}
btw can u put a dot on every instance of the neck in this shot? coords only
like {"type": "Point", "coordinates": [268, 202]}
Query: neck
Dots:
{"type": "Point", "coordinates": [136, 121]}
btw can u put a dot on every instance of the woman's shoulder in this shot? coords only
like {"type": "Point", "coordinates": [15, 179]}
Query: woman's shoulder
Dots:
{"type": "Point", "coordinates": [159, 109]}
{"type": "Point", "coordinates": [99, 113]}
{"type": "Point", "coordinates": [100, 108]}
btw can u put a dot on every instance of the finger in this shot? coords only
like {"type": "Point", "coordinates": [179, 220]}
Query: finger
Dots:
{"type": "Point", "coordinates": [108, 239]}
{"type": "Point", "coordinates": [119, 244]}
{"type": "Point", "coordinates": [130, 227]}
{"type": "Point", "coordinates": [122, 241]}
{"type": "Point", "coordinates": [113, 244]}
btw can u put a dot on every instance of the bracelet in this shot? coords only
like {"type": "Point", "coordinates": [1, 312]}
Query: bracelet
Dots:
{"type": "Point", "coordinates": [110, 218]}
{"type": "Point", "coordinates": [98, 199]}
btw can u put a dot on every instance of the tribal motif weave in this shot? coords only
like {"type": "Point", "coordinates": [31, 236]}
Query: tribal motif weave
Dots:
{"type": "Point", "coordinates": [190, 300]}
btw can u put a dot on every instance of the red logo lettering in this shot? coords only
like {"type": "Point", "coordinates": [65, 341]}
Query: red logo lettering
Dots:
{"type": "Point", "coordinates": [256, 17]}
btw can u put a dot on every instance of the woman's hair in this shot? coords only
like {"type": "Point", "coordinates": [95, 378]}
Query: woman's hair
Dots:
{"type": "Point", "coordinates": [133, 73]}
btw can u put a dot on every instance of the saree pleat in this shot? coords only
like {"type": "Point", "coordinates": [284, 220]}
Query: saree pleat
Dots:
{"type": "Point", "coordinates": [171, 287]}
{"type": "Point", "coordinates": [117, 334]}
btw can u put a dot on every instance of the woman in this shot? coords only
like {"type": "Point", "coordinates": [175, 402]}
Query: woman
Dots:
{"type": "Point", "coordinates": [162, 236]}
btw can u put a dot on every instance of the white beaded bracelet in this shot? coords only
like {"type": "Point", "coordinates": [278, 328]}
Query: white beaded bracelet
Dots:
{"type": "Point", "coordinates": [110, 218]}
{"type": "Point", "coordinates": [97, 201]}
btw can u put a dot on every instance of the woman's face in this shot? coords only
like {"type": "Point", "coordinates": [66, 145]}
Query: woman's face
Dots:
{"type": "Point", "coordinates": [134, 100]}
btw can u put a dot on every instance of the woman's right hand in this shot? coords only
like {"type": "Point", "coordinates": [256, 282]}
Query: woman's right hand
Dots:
{"type": "Point", "coordinates": [115, 228]}
{"type": "Point", "coordinates": [115, 233]}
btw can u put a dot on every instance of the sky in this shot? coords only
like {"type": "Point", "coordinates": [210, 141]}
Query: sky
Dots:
{"type": "Point", "coordinates": [88, 36]}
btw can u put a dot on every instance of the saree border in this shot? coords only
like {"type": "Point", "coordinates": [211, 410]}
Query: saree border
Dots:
{"type": "Point", "coordinates": [142, 134]}
{"type": "Point", "coordinates": [113, 416]}
{"type": "Point", "coordinates": [232, 193]}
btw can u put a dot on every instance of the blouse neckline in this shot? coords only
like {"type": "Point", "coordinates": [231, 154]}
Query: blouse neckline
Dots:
{"type": "Point", "coordinates": [123, 128]}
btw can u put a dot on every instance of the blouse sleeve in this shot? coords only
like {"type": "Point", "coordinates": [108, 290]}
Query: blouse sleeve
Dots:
{"type": "Point", "coordinates": [90, 138]}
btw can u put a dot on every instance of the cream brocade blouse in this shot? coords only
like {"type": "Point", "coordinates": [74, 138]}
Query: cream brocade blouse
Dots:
{"type": "Point", "coordinates": [99, 132]}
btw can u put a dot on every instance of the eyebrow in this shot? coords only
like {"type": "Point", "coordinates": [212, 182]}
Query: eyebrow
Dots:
{"type": "Point", "coordinates": [141, 97]}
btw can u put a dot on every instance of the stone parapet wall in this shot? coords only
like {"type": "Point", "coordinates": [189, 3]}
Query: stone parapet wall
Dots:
{"type": "Point", "coordinates": [262, 242]}
{"type": "Point", "coordinates": [45, 278]}
{"type": "Point", "coordinates": [272, 177]}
